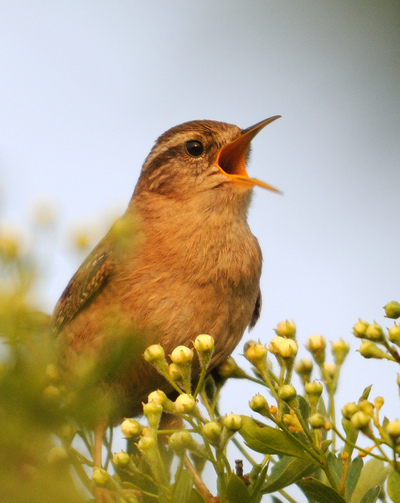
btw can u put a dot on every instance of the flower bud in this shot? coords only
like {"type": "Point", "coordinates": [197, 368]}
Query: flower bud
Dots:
{"type": "Point", "coordinates": [316, 345]}
{"type": "Point", "coordinates": [182, 355]}
{"type": "Point", "coordinates": [57, 455]}
{"type": "Point", "coordinates": [370, 350]}
{"type": "Point", "coordinates": [184, 403]}
{"type": "Point", "coordinates": [360, 328]}
{"type": "Point", "coordinates": [153, 413]}
{"type": "Point", "coordinates": [67, 431]}
{"type": "Point", "coordinates": [100, 476]}
{"type": "Point", "coordinates": [287, 393]}
{"type": "Point", "coordinates": [121, 459]}
{"type": "Point", "coordinates": [314, 390]}
{"type": "Point", "coordinates": [212, 431]}
{"type": "Point", "coordinates": [275, 343]}
{"type": "Point", "coordinates": [174, 372]}
{"type": "Point", "coordinates": [153, 353]}
{"type": "Point", "coordinates": [204, 343]}
{"type": "Point", "coordinates": [340, 350]}
{"type": "Point", "coordinates": [286, 329]}
{"type": "Point", "coordinates": [131, 428]}
{"type": "Point", "coordinates": [392, 310]}
{"type": "Point", "coordinates": [258, 403]}
{"type": "Point", "coordinates": [393, 430]}
{"type": "Point", "coordinates": [229, 368]}
{"type": "Point", "coordinates": [52, 372]}
{"type": "Point", "coordinates": [157, 396]}
{"type": "Point", "coordinates": [394, 334]}
{"type": "Point", "coordinates": [378, 402]}
{"type": "Point", "coordinates": [146, 444]}
{"type": "Point", "coordinates": [316, 421]}
{"type": "Point", "coordinates": [233, 422]}
{"type": "Point", "coordinates": [180, 440]}
{"type": "Point", "coordinates": [255, 352]}
{"type": "Point", "coordinates": [374, 332]}
{"type": "Point", "coordinates": [52, 395]}
{"type": "Point", "coordinates": [360, 420]}
{"type": "Point", "coordinates": [330, 370]}
{"type": "Point", "coordinates": [349, 410]}
{"type": "Point", "coordinates": [366, 407]}
{"type": "Point", "coordinates": [304, 368]}
{"type": "Point", "coordinates": [288, 349]}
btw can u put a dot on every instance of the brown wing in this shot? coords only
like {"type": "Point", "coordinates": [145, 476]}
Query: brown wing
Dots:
{"type": "Point", "coordinates": [256, 312]}
{"type": "Point", "coordinates": [83, 287]}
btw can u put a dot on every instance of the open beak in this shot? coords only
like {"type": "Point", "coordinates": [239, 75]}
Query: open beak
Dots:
{"type": "Point", "coordinates": [231, 159]}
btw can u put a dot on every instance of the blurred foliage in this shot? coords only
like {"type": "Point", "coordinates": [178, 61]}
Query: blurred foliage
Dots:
{"type": "Point", "coordinates": [46, 444]}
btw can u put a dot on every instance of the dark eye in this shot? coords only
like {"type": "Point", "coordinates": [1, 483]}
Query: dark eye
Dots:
{"type": "Point", "coordinates": [194, 148]}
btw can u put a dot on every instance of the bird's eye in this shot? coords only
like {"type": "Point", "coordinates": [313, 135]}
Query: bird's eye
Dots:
{"type": "Point", "coordinates": [194, 148]}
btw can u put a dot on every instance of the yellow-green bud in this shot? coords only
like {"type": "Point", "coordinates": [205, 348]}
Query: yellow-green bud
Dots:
{"type": "Point", "coordinates": [182, 355]}
{"type": "Point", "coordinates": [349, 410]}
{"type": "Point", "coordinates": [131, 428]}
{"type": "Point", "coordinates": [330, 369]}
{"type": "Point", "coordinates": [287, 393]}
{"type": "Point", "coordinates": [184, 403]}
{"type": "Point", "coordinates": [304, 368]}
{"type": "Point", "coordinates": [52, 395]}
{"type": "Point", "coordinates": [392, 310]}
{"type": "Point", "coordinates": [378, 402]}
{"type": "Point", "coordinates": [204, 343]}
{"type": "Point", "coordinates": [314, 390]}
{"type": "Point", "coordinates": [57, 455]}
{"type": "Point", "coordinates": [275, 343]}
{"type": "Point", "coordinates": [180, 440]}
{"type": "Point", "coordinates": [360, 420]}
{"type": "Point", "coordinates": [153, 353]}
{"type": "Point", "coordinates": [393, 430]}
{"type": "Point", "coordinates": [233, 422]}
{"type": "Point", "coordinates": [157, 396]}
{"type": "Point", "coordinates": [394, 334]}
{"type": "Point", "coordinates": [146, 444]}
{"type": "Point", "coordinates": [370, 350]}
{"type": "Point", "coordinates": [52, 372]}
{"type": "Point", "coordinates": [360, 328]}
{"type": "Point", "coordinates": [229, 368]}
{"type": "Point", "coordinates": [255, 352]}
{"type": "Point", "coordinates": [153, 413]}
{"type": "Point", "coordinates": [316, 421]}
{"type": "Point", "coordinates": [316, 345]}
{"type": "Point", "coordinates": [374, 332]}
{"type": "Point", "coordinates": [288, 349]}
{"type": "Point", "coordinates": [258, 403]}
{"type": "Point", "coordinates": [340, 350]}
{"type": "Point", "coordinates": [174, 372]}
{"type": "Point", "coordinates": [100, 476]}
{"type": "Point", "coordinates": [121, 459]}
{"type": "Point", "coordinates": [212, 431]}
{"type": "Point", "coordinates": [286, 329]}
{"type": "Point", "coordinates": [67, 431]}
{"type": "Point", "coordinates": [366, 407]}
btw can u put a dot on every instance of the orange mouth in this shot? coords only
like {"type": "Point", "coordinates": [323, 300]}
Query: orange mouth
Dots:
{"type": "Point", "coordinates": [231, 158]}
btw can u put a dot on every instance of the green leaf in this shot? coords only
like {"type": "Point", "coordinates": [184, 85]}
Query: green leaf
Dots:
{"type": "Point", "coordinates": [320, 492]}
{"type": "Point", "coordinates": [335, 467]}
{"type": "Point", "coordinates": [183, 487]}
{"type": "Point", "coordinates": [268, 440]}
{"type": "Point", "coordinates": [365, 393]}
{"type": "Point", "coordinates": [287, 471]}
{"type": "Point", "coordinates": [393, 486]}
{"type": "Point", "coordinates": [276, 500]}
{"type": "Point", "coordinates": [353, 474]}
{"type": "Point", "coordinates": [237, 490]}
{"type": "Point", "coordinates": [372, 495]}
{"type": "Point", "coordinates": [373, 474]}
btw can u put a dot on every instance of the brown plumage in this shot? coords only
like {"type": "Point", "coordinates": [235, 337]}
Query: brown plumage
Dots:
{"type": "Point", "coordinates": [181, 261]}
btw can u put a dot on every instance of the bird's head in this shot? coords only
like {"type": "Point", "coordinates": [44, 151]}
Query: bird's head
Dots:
{"type": "Point", "coordinates": [200, 156]}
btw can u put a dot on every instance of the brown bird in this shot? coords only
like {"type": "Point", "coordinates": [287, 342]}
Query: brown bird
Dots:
{"type": "Point", "coordinates": [180, 262]}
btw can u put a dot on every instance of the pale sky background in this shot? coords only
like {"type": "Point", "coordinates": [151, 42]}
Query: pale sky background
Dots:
{"type": "Point", "coordinates": [87, 86]}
